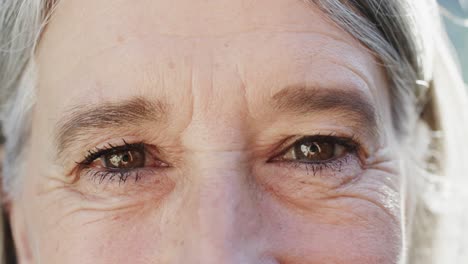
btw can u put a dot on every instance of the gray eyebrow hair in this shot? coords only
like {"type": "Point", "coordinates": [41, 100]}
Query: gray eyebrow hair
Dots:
{"type": "Point", "coordinates": [302, 99]}
{"type": "Point", "coordinates": [81, 119]}
{"type": "Point", "coordinates": [298, 99]}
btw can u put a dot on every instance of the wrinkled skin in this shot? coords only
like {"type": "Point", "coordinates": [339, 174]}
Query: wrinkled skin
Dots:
{"type": "Point", "coordinates": [211, 190]}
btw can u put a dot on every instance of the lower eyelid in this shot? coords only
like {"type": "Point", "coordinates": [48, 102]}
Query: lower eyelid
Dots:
{"type": "Point", "coordinates": [337, 170]}
{"type": "Point", "coordinates": [143, 183]}
{"type": "Point", "coordinates": [102, 175]}
{"type": "Point", "coordinates": [121, 177]}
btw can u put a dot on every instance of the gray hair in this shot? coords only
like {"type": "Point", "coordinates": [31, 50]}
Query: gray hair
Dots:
{"type": "Point", "coordinates": [391, 30]}
{"type": "Point", "coordinates": [21, 25]}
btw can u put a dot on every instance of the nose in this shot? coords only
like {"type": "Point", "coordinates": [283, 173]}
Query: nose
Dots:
{"type": "Point", "coordinates": [224, 223]}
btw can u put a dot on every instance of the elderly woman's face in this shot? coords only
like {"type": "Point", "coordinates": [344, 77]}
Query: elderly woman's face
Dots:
{"type": "Point", "coordinates": [207, 132]}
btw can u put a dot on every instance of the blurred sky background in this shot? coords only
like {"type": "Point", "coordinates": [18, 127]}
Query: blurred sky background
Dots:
{"type": "Point", "coordinates": [456, 21]}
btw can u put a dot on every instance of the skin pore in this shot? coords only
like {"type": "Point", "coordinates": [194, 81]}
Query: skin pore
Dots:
{"type": "Point", "coordinates": [215, 101]}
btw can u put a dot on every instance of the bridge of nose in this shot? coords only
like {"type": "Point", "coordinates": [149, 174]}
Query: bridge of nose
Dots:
{"type": "Point", "coordinates": [222, 216]}
{"type": "Point", "coordinates": [221, 212]}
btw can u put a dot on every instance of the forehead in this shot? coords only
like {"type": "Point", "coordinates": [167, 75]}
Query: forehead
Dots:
{"type": "Point", "coordinates": [106, 50]}
{"type": "Point", "coordinates": [184, 18]}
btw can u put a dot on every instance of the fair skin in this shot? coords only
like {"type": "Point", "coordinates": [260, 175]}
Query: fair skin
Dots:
{"type": "Point", "coordinates": [202, 101]}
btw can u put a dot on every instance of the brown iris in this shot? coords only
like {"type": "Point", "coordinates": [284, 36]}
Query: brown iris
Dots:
{"type": "Point", "coordinates": [316, 149]}
{"type": "Point", "coordinates": [124, 159]}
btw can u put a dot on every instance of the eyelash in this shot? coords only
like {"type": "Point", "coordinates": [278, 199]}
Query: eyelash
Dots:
{"type": "Point", "coordinates": [109, 174]}
{"type": "Point", "coordinates": [94, 154]}
{"type": "Point", "coordinates": [123, 176]}
{"type": "Point", "coordinates": [317, 168]}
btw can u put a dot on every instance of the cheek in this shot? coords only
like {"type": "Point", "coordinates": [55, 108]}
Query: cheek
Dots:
{"type": "Point", "coordinates": [318, 222]}
{"type": "Point", "coordinates": [90, 237]}
{"type": "Point", "coordinates": [357, 224]}
{"type": "Point", "coordinates": [328, 235]}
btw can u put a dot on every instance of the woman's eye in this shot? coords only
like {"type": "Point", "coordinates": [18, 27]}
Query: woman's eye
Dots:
{"type": "Point", "coordinates": [124, 159]}
{"type": "Point", "coordinates": [119, 162]}
{"type": "Point", "coordinates": [316, 150]}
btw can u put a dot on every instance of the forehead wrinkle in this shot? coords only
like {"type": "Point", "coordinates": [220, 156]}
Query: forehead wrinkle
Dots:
{"type": "Point", "coordinates": [81, 120]}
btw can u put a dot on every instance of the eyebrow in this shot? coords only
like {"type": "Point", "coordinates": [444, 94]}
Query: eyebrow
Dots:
{"type": "Point", "coordinates": [80, 120]}
{"type": "Point", "coordinates": [352, 103]}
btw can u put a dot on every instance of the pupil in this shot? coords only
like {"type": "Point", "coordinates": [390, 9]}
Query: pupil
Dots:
{"type": "Point", "coordinates": [126, 158]}
{"type": "Point", "coordinates": [314, 148]}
